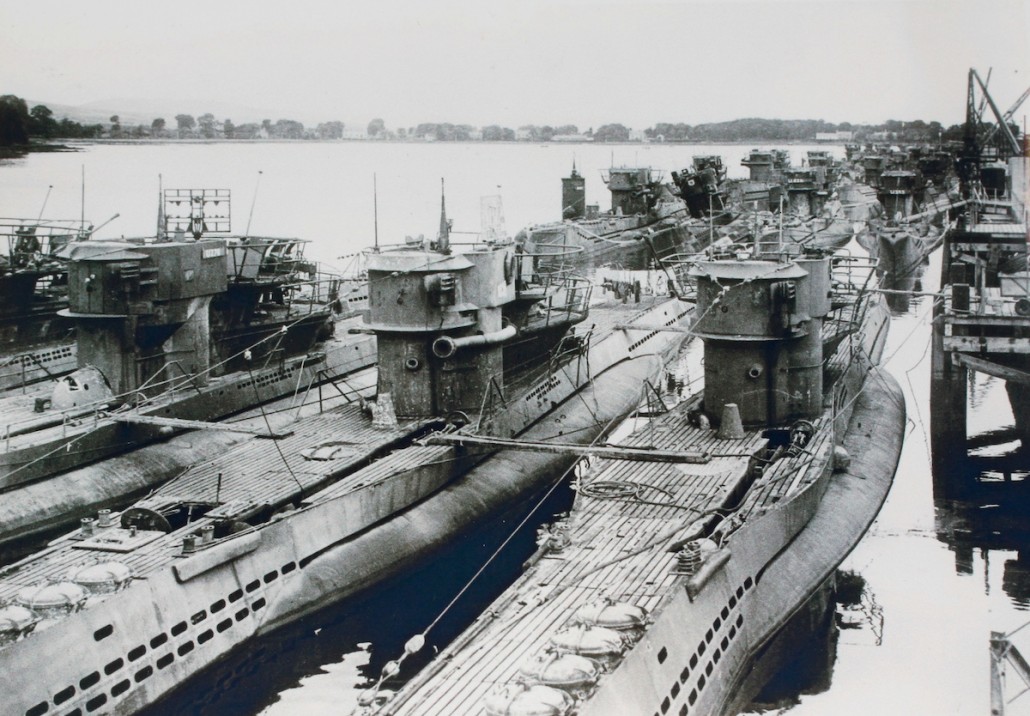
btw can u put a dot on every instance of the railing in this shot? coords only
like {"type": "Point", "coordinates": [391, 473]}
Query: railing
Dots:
{"type": "Point", "coordinates": [677, 269]}
{"type": "Point", "coordinates": [308, 296]}
{"type": "Point", "coordinates": [562, 293]}
{"type": "Point", "coordinates": [851, 275]}
{"type": "Point", "coordinates": [853, 280]}
{"type": "Point", "coordinates": [570, 353]}
{"type": "Point", "coordinates": [33, 242]}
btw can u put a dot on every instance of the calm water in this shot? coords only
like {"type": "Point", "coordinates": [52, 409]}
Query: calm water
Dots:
{"type": "Point", "coordinates": [939, 575]}
{"type": "Point", "coordinates": [324, 192]}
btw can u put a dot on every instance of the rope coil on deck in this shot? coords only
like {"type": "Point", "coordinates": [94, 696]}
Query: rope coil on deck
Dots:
{"type": "Point", "coordinates": [609, 489]}
{"type": "Point", "coordinates": [629, 492]}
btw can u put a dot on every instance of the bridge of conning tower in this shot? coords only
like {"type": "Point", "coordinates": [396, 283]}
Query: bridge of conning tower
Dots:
{"type": "Point", "coordinates": [761, 322]}
{"type": "Point", "coordinates": [140, 307]}
{"type": "Point", "coordinates": [632, 189]}
{"type": "Point", "coordinates": [439, 324]}
{"type": "Point", "coordinates": [760, 165]}
{"type": "Point", "coordinates": [573, 196]}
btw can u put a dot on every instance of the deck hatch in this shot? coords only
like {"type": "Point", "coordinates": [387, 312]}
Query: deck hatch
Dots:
{"type": "Point", "coordinates": [117, 539]}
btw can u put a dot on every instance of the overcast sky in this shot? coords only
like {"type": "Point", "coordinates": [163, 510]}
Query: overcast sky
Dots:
{"type": "Point", "coordinates": [511, 63]}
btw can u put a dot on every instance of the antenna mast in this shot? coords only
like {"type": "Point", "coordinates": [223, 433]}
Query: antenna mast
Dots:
{"type": "Point", "coordinates": [444, 238]}
{"type": "Point", "coordinates": [161, 234]}
{"type": "Point", "coordinates": [45, 200]}
{"type": "Point", "coordinates": [253, 203]}
{"type": "Point", "coordinates": [375, 214]}
{"type": "Point", "coordinates": [779, 245]}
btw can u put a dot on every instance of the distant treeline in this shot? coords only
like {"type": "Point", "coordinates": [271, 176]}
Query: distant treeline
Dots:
{"type": "Point", "coordinates": [19, 124]}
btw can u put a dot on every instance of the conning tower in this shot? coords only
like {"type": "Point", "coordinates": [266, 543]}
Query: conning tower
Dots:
{"type": "Point", "coordinates": [872, 166]}
{"type": "Point", "coordinates": [573, 195]}
{"type": "Point", "coordinates": [699, 187]}
{"type": "Point", "coordinates": [760, 164]}
{"type": "Point", "coordinates": [898, 190]}
{"type": "Point", "coordinates": [819, 158]}
{"type": "Point", "coordinates": [761, 322]}
{"type": "Point", "coordinates": [439, 324]}
{"type": "Point", "coordinates": [803, 196]}
{"type": "Point", "coordinates": [934, 166]}
{"type": "Point", "coordinates": [632, 190]}
{"type": "Point", "coordinates": [141, 310]}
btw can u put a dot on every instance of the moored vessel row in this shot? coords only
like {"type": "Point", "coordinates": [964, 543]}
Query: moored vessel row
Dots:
{"type": "Point", "coordinates": [471, 384]}
{"type": "Point", "coordinates": [470, 347]}
{"type": "Point", "coordinates": [661, 588]}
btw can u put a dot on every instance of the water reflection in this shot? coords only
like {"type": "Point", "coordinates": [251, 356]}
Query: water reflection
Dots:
{"type": "Point", "coordinates": [982, 504]}
{"type": "Point", "coordinates": [803, 654]}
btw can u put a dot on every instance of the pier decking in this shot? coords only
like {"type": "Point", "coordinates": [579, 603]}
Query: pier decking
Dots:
{"type": "Point", "coordinates": [982, 319]}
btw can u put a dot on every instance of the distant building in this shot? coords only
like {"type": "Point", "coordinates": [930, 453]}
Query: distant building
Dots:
{"type": "Point", "coordinates": [523, 135]}
{"type": "Point", "coordinates": [355, 134]}
{"type": "Point", "coordinates": [637, 135]}
{"type": "Point", "coordinates": [839, 136]}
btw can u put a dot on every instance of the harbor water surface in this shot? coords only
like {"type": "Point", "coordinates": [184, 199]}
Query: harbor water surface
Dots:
{"type": "Point", "coordinates": [941, 566]}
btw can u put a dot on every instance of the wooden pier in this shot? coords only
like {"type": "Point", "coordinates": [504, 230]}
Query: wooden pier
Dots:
{"type": "Point", "coordinates": [982, 318]}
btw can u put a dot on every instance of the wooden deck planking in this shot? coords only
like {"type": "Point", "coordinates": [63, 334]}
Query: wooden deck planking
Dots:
{"type": "Point", "coordinates": [513, 648]}
{"type": "Point", "coordinates": [252, 469]}
{"type": "Point", "coordinates": [257, 468]}
{"type": "Point", "coordinates": [598, 562]}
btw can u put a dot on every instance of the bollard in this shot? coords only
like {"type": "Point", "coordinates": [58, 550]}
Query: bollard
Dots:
{"type": "Point", "coordinates": [730, 427]}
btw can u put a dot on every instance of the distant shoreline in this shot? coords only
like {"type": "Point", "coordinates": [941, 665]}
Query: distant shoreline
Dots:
{"type": "Point", "coordinates": [72, 144]}
{"type": "Point", "coordinates": [17, 152]}
{"type": "Point", "coordinates": [75, 145]}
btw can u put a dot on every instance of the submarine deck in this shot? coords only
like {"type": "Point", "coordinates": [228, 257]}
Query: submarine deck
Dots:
{"type": "Point", "coordinates": [615, 544]}
{"type": "Point", "coordinates": [258, 474]}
